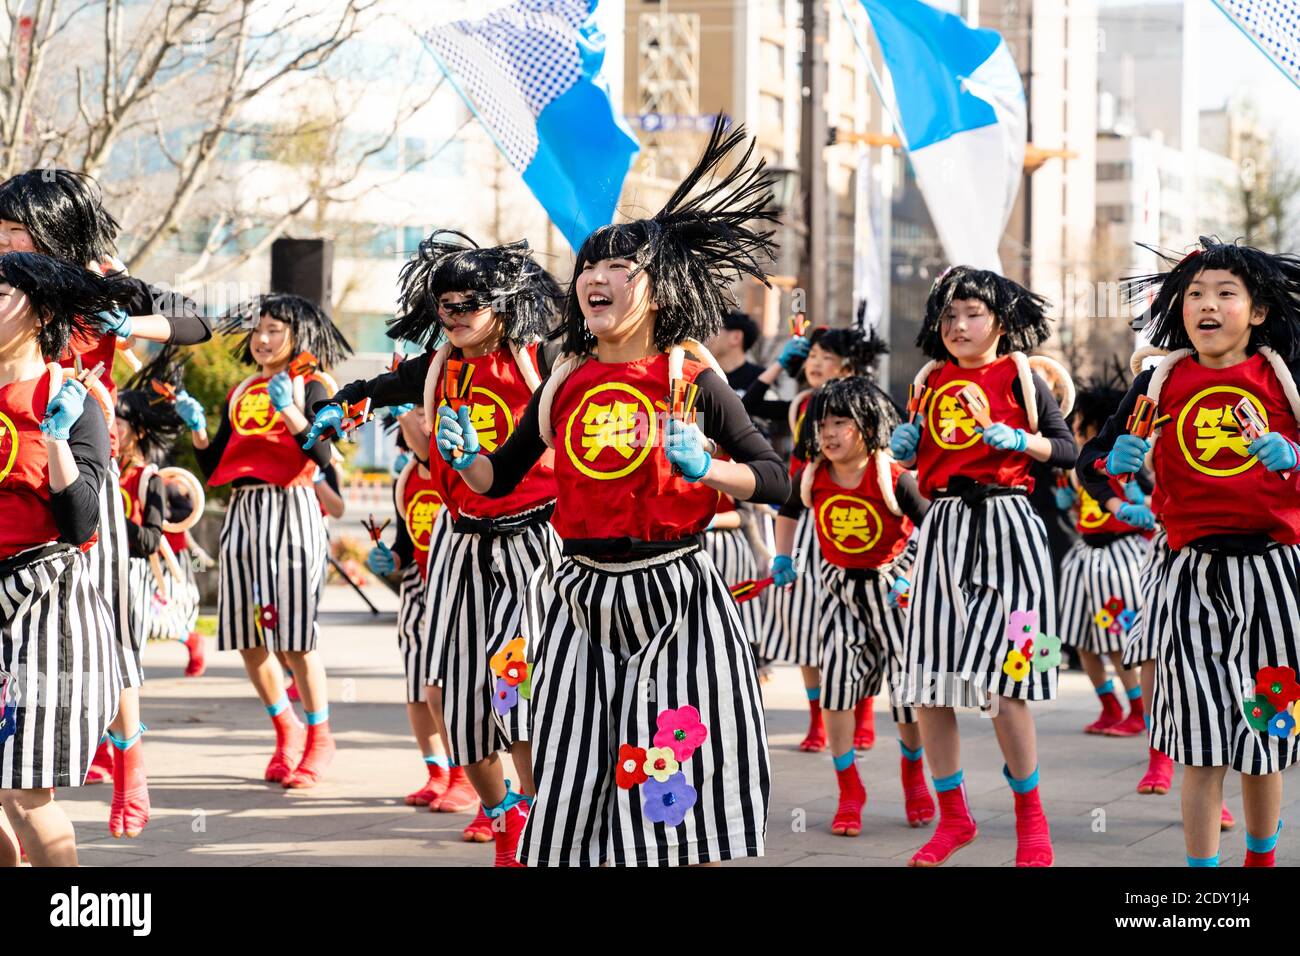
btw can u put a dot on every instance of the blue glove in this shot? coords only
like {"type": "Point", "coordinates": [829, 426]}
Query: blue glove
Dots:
{"type": "Point", "coordinates": [115, 322]}
{"type": "Point", "coordinates": [896, 590]}
{"type": "Point", "coordinates": [1134, 493]}
{"type": "Point", "coordinates": [64, 409]}
{"type": "Point", "coordinates": [783, 571]}
{"type": "Point", "coordinates": [1274, 452]}
{"type": "Point", "coordinates": [1139, 516]}
{"type": "Point", "coordinates": [381, 561]}
{"type": "Point", "coordinates": [280, 388]}
{"type": "Point", "coordinates": [455, 431]}
{"type": "Point", "coordinates": [794, 351]}
{"type": "Point", "coordinates": [190, 411]}
{"type": "Point", "coordinates": [1005, 438]}
{"type": "Point", "coordinates": [327, 418]}
{"type": "Point", "coordinates": [684, 447]}
{"type": "Point", "coordinates": [1064, 498]}
{"type": "Point", "coordinates": [904, 441]}
{"type": "Point", "coordinates": [1128, 455]}
{"type": "Point", "coordinates": [398, 411]}
{"type": "Point", "coordinates": [400, 463]}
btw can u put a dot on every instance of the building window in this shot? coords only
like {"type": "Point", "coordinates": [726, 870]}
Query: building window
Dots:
{"type": "Point", "coordinates": [771, 112]}
{"type": "Point", "coordinates": [1111, 214]}
{"type": "Point", "coordinates": [772, 62]}
{"type": "Point", "coordinates": [1114, 171]}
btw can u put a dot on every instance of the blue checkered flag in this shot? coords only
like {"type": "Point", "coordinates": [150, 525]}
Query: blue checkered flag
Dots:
{"type": "Point", "coordinates": [530, 72]}
{"type": "Point", "coordinates": [1273, 26]}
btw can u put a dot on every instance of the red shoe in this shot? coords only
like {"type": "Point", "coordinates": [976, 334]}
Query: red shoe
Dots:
{"type": "Point", "coordinates": [101, 767]}
{"type": "Point", "coordinates": [916, 794]}
{"type": "Point", "coordinates": [316, 757]}
{"type": "Point", "coordinates": [956, 829]}
{"type": "Point", "coordinates": [479, 829]}
{"type": "Point", "coordinates": [433, 788]}
{"type": "Point", "coordinates": [1160, 773]}
{"type": "Point", "coordinates": [1033, 837]}
{"type": "Point", "coordinates": [198, 663]}
{"type": "Point", "coordinates": [1132, 725]}
{"type": "Point", "coordinates": [1256, 858]}
{"type": "Point", "coordinates": [291, 691]}
{"type": "Point", "coordinates": [1111, 714]}
{"type": "Point", "coordinates": [460, 795]}
{"type": "Point", "coordinates": [290, 736]}
{"type": "Point", "coordinates": [864, 732]}
{"type": "Point", "coordinates": [129, 810]}
{"type": "Point", "coordinates": [1227, 821]}
{"type": "Point", "coordinates": [507, 836]}
{"type": "Point", "coordinates": [815, 742]}
{"type": "Point", "coordinates": [848, 815]}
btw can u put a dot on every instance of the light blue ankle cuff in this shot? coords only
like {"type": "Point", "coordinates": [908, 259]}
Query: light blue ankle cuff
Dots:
{"type": "Point", "coordinates": [439, 760]}
{"type": "Point", "coordinates": [511, 799]}
{"type": "Point", "coordinates": [1134, 692]}
{"type": "Point", "coordinates": [279, 707]}
{"type": "Point", "coordinates": [1106, 688]}
{"type": "Point", "coordinates": [1203, 860]}
{"type": "Point", "coordinates": [318, 716]}
{"type": "Point", "coordinates": [951, 782]}
{"type": "Point", "coordinates": [814, 693]}
{"type": "Point", "coordinates": [911, 754]}
{"type": "Point", "coordinates": [843, 761]}
{"type": "Point", "coordinates": [1265, 845]}
{"type": "Point", "coordinates": [127, 744]}
{"type": "Point", "coordinates": [1021, 786]}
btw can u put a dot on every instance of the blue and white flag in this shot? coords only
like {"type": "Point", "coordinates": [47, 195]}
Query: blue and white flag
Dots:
{"type": "Point", "coordinates": [530, 72]}
{"type": "Point", "coordinates": [962, 108]}
{"type": "Point", "coordinates": [1273, 26]}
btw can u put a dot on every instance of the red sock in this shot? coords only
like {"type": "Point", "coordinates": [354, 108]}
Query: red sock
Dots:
{"type": "Point", "coordinates": [1261, 853]}
{"type": "Point", "coordinates": [289, 738]}
{"type": "Point", "coordinates": [815, 742]}
{"type": "Point", "coordinates": [129, 810]}
{"type": "Point", "coordinates": [848, 815]}
{"type": "Point", "coordinates": [1111, 714]}
{"type": "Point", "coordinates": [1160, 773]}
{"type": "Point", "coordinates": [1133, 724]}
{"type": "Point", "coordinates": [1033, 837]}
{"type": "Point", "coordinates": [917, 802]}
{"type": "Point", "coordinates": [317, 755]}
{"type": "Point", "coordinates": [956, 827]}
{"type": "Point", "coordinates": [101, 767]}
{"type": "Point", "coordinates": [864, 733]}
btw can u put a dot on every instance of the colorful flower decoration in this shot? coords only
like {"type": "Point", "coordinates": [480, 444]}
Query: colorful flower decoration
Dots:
{"type": "Point", "coordinates": [630, 770]}
{"type": "Point", "coordinates": [8, 721]}
{"type": "Point", "coordinates": [668, 800]}
{"type": "Point", "coordinates": [1294, 711]}
{"type": "Point", "coordinates": [1279, 685]}
{"type": "Point", "coordinates": [1016, 665]}
{"type": "Point", "coordinates": [1115, 606]}
{"type": "Point", "coordinates": [1258, 712]}
{"type": "Point", "coordinates": [513, 651]}
{"type": "Point", "coordinates": [1116, 627]}
{"type": "Point", "coordinates": [660, 763]}
{"type": "Point", "coordinates": [1126, 619]}
{"type": "Point", "coordinates": [1281, 724]}
{"type": "Point", "coordinates": [268, 617]}
{"type": "Point", "coordinates": [515, 673]}
{"type": "Point", "coordinates": [1104, 618]}
{"type": "Point", "coordinates": [526, 688]}
{"type": "Point", "coordinates": [1021, 628]}
{"type": "Point", "coordinates": [504, 697]}
{"type": "Point", "coordinates": [1047, 653]}
{"type": "Point", "coordinates": [680, 731]}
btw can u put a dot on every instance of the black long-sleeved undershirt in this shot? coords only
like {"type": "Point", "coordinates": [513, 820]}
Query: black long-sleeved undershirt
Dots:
{"type": "Point", "coordinates": [906, 491]}
{"type": "Point", "coordinates": [188, 325]}
{"type": "Point", "coordinates": [143, 540]}
{"type": "Point", "coordinates": [1051, 424]}
{"type": "Point", "coordinates": [76, 507]}
{"type": "Point", "coordinates": [403, 547]}
{"type": "Point", "coordinates": [208, 458]}
{"type": "Point", "coordinates": [720, 415]}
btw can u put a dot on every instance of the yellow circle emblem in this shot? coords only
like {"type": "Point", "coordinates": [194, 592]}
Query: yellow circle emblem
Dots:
{"type": "Point", "coordinates": [611, 431]}
{"type": "Point", "coordinates": [420, 515]}
{"type": "Point", "coordinates": [845, 517]}
{"type": "Point", "coordinates": [253, 413]}
{"type": "Point", "coordinates": [1210, 435]}
{"type": "Point", "coordinates": [490, 416]}
{"type": "Point", "coordinates": [949, 420]}
{"type": "Point", "coordinates": [8, 445]}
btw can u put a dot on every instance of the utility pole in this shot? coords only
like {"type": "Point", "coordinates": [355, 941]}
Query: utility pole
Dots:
{"type": "Point", "coordinates": [812, 164]}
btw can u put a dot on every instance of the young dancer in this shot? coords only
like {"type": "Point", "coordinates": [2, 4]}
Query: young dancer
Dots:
{"type": "Point", "coordinates": [982, 617]}
{"type": "Point", "coordinates": [1099, 591]}
{"type": "Point", "coordinates": [1228, 494]}
{"type": "Point", "coordinates": [792, 635]}
{"type": "Point", "coordinates": [864, 506]}
{"type": "Point", "coordinates": [493, 305]}
{"type": "Point", "coordinates": [649, 745]}
{"type": "Point", "coordinates": [59, 672]}
{"type": "Point", "coordinates": [60, 213]}
{"type": "Point", "coordinates": [273, 546]}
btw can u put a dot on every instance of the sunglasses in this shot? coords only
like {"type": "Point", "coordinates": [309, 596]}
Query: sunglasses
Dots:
{"type": "Point", "coordinates": [459, 308]}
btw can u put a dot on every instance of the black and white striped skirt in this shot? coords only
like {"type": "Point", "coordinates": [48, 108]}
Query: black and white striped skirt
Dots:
{"type": "Point", "coordinates": [273, 554]}
{"type": "Point", "coordinates": [499, 585]}
{"type": "Point", "coordinates": [735, 560]}
{"type": "Point", "coordinates": [432, 625]}
{"type": "Point", "coordinates": [1152, 617]}
{"type": "Point", "coordinates": [61, 665]}
{"type": "Point", "coordinates": [177, 605]}
{"type": "Point", "coordinates": [791, 635]}
{"type": "Point", "coordinates": [976, 569]}
{"type": "Point", "coordinates": [1090, 578]}
{"type": "Point", "coordinates": [863, 635]}
{"type": "Point", "coordinates": [1229, 618]}
{"type": "Point", "coordinates": [637, 657]}
{"type": "Point", "coordinates": [108, 560]}
{"type": "Point", "coordinates": [409, 617]}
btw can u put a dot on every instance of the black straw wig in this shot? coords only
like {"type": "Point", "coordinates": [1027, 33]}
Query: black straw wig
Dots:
{"type": "Point", "coordinates": [167, 366]}
{"type": "Point", "coordinates": [506, 278]}
{"type": "Point", "coordinates": [692, 249]}
{"type": "Point", "coordinates": [310, 327]}
{"type": "Point", "coordinates": [63, 212]}
{"type": "Point", "coordinates": [1099, 398]}
{"type": "Point", "coordinates": [154, 422]}
{"type": "Point", "coordinates": [64, 297]}
{"type": "Point", "coordinates": [860, 399]}
{"type": "Point", "coordinates": [860, 350]}
{"type": "Point", "coordinates": [1022, 314]}
{"type": "Point", "coordinates": [1271, 279]}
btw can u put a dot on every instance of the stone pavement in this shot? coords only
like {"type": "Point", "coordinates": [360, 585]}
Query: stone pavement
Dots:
{"type": "Point", "coordinates": [209, 740]}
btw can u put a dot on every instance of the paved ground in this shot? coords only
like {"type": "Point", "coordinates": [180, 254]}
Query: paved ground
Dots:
{"type": "Point", "coordinates": [209, 741]}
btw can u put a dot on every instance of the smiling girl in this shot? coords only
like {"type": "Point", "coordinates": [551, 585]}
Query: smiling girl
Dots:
{"type": "Point", "coordinates": [59, 671]}
{"type": "Point", "coordinates": [648, 746]}
{"type": "Point", "coordinates": [983, 585]}
{"type": "Point", "coordinates": [273, 544]}
{"type": "Point", "coordinates": [1223, 609]}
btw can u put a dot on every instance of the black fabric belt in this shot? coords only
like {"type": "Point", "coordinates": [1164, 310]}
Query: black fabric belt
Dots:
{"type": "Point", "coordinates": [508, 524]}
{"type": "Point", "coordinates": [626, 549]}
{"type": "Point", "coordinates": [1104, 540]}
{"type": "Point", "coordinates": [21, 560]}
{"type": "Point", "coordinates": [975, 494]}
{"type": "Point", "coordinates": [1235, 545]}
